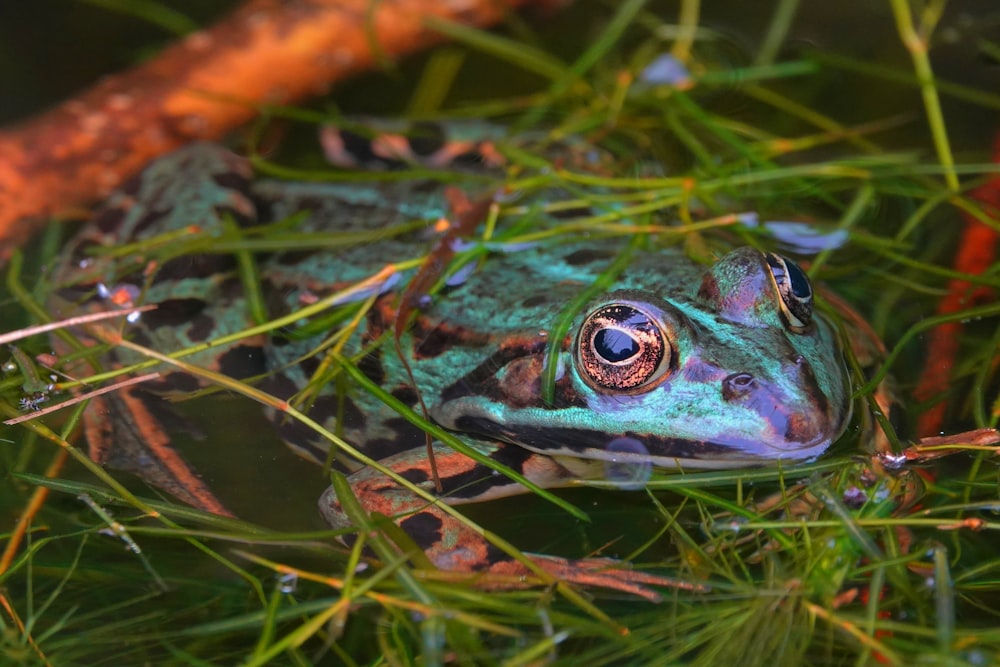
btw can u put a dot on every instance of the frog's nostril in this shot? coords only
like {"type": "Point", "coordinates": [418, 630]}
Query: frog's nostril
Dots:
{"type": "Point", "coordinates": [736, 386]}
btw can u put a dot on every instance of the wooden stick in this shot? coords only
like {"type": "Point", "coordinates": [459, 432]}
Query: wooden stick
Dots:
{"type": "Point", "coordinates": [266, 51]}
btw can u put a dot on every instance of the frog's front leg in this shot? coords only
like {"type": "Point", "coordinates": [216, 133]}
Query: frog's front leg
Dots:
{"type": "Point", "coordinates": [451, 545]}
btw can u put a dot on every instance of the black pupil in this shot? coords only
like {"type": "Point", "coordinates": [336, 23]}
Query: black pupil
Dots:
{"type": "Point", "coordinates": [783, 268]}
{"type": "Point", "coordinates": [615, 345]}
{"type": "Point", "coordinates": [798, 280]}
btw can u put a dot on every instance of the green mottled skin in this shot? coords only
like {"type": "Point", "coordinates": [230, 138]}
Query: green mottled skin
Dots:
{"type": "Point", "coordinates": [688, 405]}
{"type": "Point", "coordinates": [477, 349]}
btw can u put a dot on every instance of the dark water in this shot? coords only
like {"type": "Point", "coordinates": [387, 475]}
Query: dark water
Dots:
{"type": "Point", "coordinates": [49, 50]}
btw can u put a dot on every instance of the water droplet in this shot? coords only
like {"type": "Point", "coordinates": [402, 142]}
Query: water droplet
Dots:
{"type": "Point", "coordinates": [630, 467]}
{"type": "Point", "coordinates": [288, 582]}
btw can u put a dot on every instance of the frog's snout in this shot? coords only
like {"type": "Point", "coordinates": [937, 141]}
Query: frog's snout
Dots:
{"type": "Point", "coordinates": [796, 417]}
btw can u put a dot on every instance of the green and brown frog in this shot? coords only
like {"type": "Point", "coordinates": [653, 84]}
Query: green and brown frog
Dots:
{"type": "Point", "coordinates": [677, 365]}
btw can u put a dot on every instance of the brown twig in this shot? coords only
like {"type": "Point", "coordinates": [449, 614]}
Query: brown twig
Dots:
{"type": "Point", "coordinates": [265, 52]}
{"type": "Point", "coordinates": [13, 545]}
{"type": "Point", "coordinates": [83, 397]}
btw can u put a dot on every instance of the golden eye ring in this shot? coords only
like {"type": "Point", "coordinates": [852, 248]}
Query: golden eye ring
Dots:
{"type": "Point", "coordinates": [623, 348]}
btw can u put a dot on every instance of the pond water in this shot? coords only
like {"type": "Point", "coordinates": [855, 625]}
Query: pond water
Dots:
{"type": "Point", "coordinates": [846, 96]}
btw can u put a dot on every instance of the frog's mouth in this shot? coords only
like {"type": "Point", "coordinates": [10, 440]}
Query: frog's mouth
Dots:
{"type": "Point", "coordinates": [660, 451]}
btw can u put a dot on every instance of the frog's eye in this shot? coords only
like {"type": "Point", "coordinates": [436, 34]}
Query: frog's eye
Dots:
{"type": "Point", "coordinates": [793, 288]}
{"type": "Point", "coordinates": [621, 347]}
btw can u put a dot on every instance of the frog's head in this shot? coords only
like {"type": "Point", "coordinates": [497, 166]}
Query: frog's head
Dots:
{"type": "Point", "coordinates": [735, 371]}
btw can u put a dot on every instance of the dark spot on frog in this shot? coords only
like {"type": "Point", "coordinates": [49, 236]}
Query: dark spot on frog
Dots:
{"type": "Point", "coordinates": [520, 383]}
{"type": "Point", "coordinates": [565, 396]}
{"type": "Point", "coordinates": [432, 345]}
{"type": "Point", "coordinates": [380, 319]}
{"type": "Point", "coordinates": [405, 394]}
{"type": "Point", "coordinates": [479, 380]}
{"type": "Point", "coordinates": [360, 147]}
{"type": "Point", "coordinates": [263, 204]}
{"type": "Point", "coordinates": [498, 376]}
{"type": "Point", "coordinates": [150, 218]}
{"type": "Point", "coordinates": [326, 408]}
{"type": "Point", "coordinates": [495, 555]}
{"type": "Point", "coordinates": [232, 180]}
{"type": "Point", "coordinates": [536, 300]}
{"type": "Point", "coordinates": [132, 186]}
{"type": "Point", "coordinates": [194, 266]}
{"type": "Point", "coordinates": [371, 366]}
{"type": "Point", "coordinates": [426, 186]}
{"type": "Point", "coordinates": [175, 382]}
{"type": "Point", "coordinates": [424, 528]}
{"type": "Point", "coordinates": [279, 385]}
{"type": "Point", "coordinates": [241, 209]}
{"type": "Point", "coordinates": [426, 139]}
{"type": "Point", "coordinates": [414, 475]}
{"type": "Point", "coordinates": [587, 256]}
{"type": "Point", "coordinates": [109, 220]}
{"type": "Point", "coordinates": [709, 290]}
{"type": "Point", "coordinates": [271, 209]}
{"type": "Point", "coordinates": [243, 361]}
{"type": "Point", "coordinates": [201, 328]}
{"type": "Point", "coordinates": [406, 436]}
{"type": "Point", "coordinates": [479, 479]}
{"type": "Point", "coordinates": [173, 313]}
{"type": "Point", "coordinates": [276, 303]}
{"type": "Point", "coordinates": [140, 337]}
{"type": "Point", "coordinates": [472, 158]}
{"type": "Point", "coordinates": [310, 365]}
{"type": "Point", "coordinates": [440, 339]}
{"type": "Point", "coordinates": [279, 341]}
{"type": "Point", "coordinates": [294, 258]}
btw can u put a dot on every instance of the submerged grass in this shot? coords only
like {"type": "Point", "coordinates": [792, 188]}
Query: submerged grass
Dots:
{"type": "Point", "coordinates": [833, 562]}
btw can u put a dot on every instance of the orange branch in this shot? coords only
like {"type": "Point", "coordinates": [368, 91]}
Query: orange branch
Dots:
{"type": "Point", "coordinates": [267, 51]}
{"type": "Point", "coordinates": [976, 253]}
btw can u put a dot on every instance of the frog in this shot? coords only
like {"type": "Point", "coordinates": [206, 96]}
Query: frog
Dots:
{"type": "Point", "coordinates": [678, 364]}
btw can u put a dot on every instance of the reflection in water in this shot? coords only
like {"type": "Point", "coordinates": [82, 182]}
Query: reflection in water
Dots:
{"type": "Point", "coordinates": [631, 469]}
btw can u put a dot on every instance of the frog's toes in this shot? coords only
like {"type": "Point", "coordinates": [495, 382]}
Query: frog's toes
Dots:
{"type": "Point", "coordinates": [605, 573]}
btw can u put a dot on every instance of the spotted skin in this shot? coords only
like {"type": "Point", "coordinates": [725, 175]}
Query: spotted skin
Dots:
{"type": "Point", "coordinates": [730, 383]}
